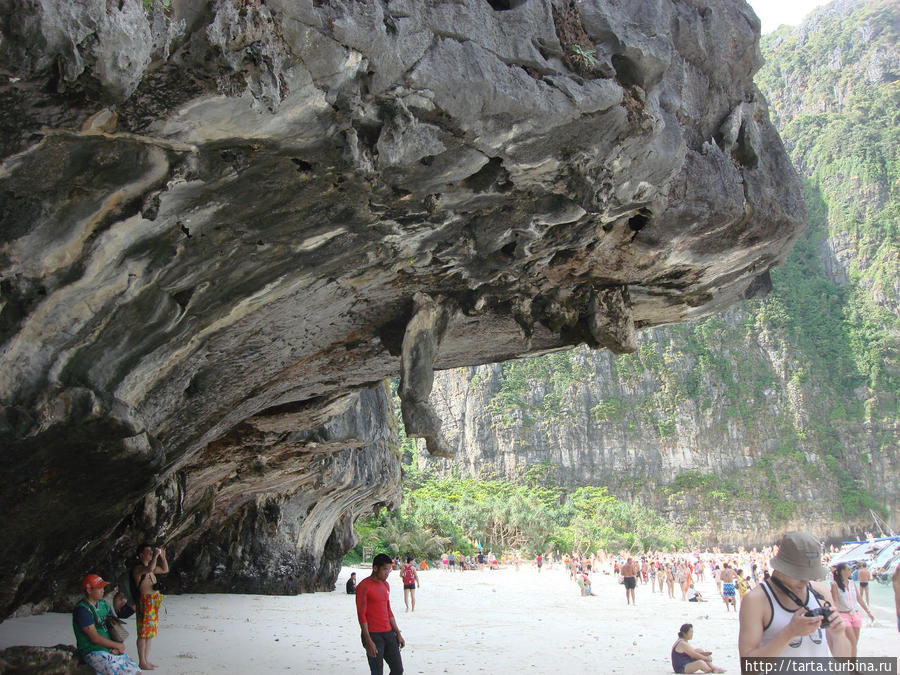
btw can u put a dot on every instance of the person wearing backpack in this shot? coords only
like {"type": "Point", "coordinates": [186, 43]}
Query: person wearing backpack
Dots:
{"type": "Point", "coordinates": [104, 655]}
{"type": "Point", "coordinates": [410, 582]}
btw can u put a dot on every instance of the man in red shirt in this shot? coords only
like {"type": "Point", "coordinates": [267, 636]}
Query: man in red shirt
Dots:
{"type": "Point", "coordinates": [380, 635]}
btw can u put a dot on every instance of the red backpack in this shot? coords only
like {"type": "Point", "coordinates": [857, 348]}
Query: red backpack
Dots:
{"type": "Point", "coordinates": [409, 575]}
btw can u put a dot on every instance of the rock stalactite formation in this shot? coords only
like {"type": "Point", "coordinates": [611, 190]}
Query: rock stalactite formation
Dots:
{"type": "Point", "coordinates": [216, 218]}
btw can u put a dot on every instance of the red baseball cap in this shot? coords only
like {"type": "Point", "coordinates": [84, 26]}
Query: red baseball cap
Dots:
{"type": "Point", "coordinates": [93, 581]}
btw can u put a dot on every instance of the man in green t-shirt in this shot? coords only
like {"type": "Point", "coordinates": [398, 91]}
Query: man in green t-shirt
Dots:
{"type": "Point", "coordinates": [104, 655]}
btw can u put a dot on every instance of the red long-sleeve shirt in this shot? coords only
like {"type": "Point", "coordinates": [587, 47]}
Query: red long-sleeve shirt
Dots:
{"type": "Point", "coordinates": [373, 605]}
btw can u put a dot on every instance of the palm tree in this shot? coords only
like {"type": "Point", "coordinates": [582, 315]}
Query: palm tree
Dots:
{"type": "Point", "coordinates": [424, 543]}
{"type": "Point", "coordinates": [392, 536]}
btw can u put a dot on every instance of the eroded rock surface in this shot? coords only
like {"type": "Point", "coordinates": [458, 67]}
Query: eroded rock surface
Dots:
{"type": "Point", "coordinates": [215, 220]}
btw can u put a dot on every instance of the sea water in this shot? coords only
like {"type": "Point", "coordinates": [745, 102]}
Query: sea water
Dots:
{"type": "Point", "coordinates": [881, 597]}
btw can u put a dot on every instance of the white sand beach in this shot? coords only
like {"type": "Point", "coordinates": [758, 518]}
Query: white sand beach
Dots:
{"type": "Point", "coordinates": [474, 622]}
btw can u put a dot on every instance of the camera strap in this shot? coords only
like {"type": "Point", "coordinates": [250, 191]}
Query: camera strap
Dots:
{"type": "Point", "coordinates": [793, 596]}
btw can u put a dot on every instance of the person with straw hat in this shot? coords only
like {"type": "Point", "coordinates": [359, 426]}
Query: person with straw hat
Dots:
{"type": "Point", "coordinates": [790, 615]}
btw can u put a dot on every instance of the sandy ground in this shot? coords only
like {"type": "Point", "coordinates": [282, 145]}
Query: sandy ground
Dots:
{"type": "Point", "coordinates": [483, 622]}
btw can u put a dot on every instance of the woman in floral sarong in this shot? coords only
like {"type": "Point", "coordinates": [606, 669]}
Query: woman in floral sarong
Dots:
{"type": "Point", "coordinates": [153, 562]}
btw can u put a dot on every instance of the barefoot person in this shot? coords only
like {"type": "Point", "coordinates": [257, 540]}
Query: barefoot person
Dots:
{"type": "Point", "coordinates": [864, 576]}
{"type": "Point", "coordinates": [152, 562]}
{"type": "Point", "coordinates": [629, 579]}
{"type": "Point", "coordinates": [688, 659]}
{"type": "Point", "coordinates": [379, 632]}
{"type": "Point", "coordinates": [410, 583]}
{"type": "Point", "coordinates": [848, 600]}
{"type": "Point", "coordinates": [104, 655]}
{"type": "Point", "coordinates": [773, 619]}
{"type": "Point", "coordinates": [729, 577]}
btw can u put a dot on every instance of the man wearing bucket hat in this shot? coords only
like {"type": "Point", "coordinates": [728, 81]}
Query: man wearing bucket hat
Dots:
{"type": "Point", "coordinates": [789, 615]}
{"type": "Point", "coordinates": [104, 655]}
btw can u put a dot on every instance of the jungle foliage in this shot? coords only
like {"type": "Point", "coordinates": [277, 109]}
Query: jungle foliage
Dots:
{"type": "Point", "coordinates": [529, 515]}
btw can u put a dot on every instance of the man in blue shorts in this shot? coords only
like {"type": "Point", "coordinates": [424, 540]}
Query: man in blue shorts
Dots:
{"type": "Point", "coordinates": [729, 576]}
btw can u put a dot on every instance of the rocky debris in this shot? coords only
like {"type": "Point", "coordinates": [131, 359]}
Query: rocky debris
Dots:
{"type": "Point", "coordinates": [58, 660]}
{"type": "Point", "coordinates": [217, 216]}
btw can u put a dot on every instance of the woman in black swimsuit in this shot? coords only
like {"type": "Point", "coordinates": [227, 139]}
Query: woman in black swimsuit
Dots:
{"type": "Point", "coordinates": [687, 659]}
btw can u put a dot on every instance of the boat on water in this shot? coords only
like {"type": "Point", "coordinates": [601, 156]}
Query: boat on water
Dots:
{"type": "Point", "coordinates": [880, 554]}
{"type": "Point", "coordinates": [885, 572]}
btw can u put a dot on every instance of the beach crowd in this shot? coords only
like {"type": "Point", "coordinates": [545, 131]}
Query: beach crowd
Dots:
{"type": "Point", "coordinates": [785, 608]}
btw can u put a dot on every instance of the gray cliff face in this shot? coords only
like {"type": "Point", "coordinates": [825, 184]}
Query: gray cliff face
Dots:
{"type": "Point", "coordinates": [234, 212]}
{"type": "Point", "coordinates": [724, 442]}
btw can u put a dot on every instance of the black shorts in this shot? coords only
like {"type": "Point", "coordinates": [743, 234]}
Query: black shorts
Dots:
{"type": "Point", "coordinates": [411, 587]}
{"type": "Point", "coordinates": [630, 582]}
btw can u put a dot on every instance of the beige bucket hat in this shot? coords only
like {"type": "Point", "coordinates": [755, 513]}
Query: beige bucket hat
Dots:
{"type": "Point", "coordinates": [799, 557]}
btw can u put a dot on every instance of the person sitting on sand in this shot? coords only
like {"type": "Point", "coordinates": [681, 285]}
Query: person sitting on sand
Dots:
{"type": "Point", "coordinates": [693, 595]}
{"type": "Point", "coordinates": [104, 655]}
{"type": "Point", "coordinates": [687, 659]}
{"type": "Point", "coordinates": [587, 584]}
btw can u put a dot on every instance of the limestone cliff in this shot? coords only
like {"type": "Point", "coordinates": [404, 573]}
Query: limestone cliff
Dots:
{"type": "Point", "coordinates": [709, 425]}
{"type": "Point", "coordinates": [223, 223]}
{"type": "Point", "coordinates": [781, 413]}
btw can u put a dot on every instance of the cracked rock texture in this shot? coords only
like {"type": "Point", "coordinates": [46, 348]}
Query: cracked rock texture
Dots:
{"type": "Point", "coordinates": [215, 220]}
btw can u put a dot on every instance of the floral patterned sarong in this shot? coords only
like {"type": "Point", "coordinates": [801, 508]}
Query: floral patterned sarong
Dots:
{"type": "Point", "coordinates": [148, 617]}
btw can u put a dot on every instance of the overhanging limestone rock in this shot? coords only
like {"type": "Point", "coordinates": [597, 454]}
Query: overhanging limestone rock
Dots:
{"type": "Point", "coordinates": [420, 345]}
{"type": "Point", "coordinates": [216, 218]}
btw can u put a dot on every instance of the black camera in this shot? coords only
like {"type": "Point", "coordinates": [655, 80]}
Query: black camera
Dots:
{"type": "Point", "coordinates": [823, 612]}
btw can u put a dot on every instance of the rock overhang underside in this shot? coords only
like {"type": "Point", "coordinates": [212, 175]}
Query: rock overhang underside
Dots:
{"type": "Point", "coordinates": [223, 224]}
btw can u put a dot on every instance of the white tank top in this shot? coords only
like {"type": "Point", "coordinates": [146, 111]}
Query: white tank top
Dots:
{"type": "Point", "coordinates": [781, 617]}
{"type": "Point", "coordinates": [846, 600]}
